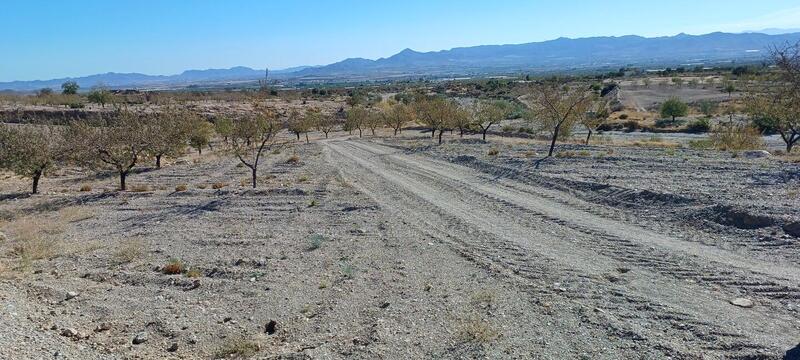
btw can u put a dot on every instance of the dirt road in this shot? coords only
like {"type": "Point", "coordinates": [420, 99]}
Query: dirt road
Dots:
{"type": "Point", "coordinates": [636, 287]}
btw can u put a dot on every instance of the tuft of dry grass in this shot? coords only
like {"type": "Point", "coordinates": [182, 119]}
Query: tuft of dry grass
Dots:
{"type": "Point", "coordinates": [493, 152]}
{"type": "Point", "coordinates": [129, 250]}
{"type": "Point", "coordinates": [173, 267]}
{"type": "Point", "coordinates": [181, 187]}
{"type": "Point", "coordinates": [237, 348]}
{"type": "Point", "coordinates": [294, 159]}
{"type": "Point", "coordinates": [35, 239]}
{"type": "Point", "coordinates": [302, 179]}
{"type": "Point", "coordinates": [218, 185]}
{"type": "Point", "coordinates": [139, 188]}
{"type": "Point", "coordinates": [76, 213]}
{"type": "Point", "coordinates": [483, 298]}
{"type": "Point", "coordinates": [202, 186]}
{"type": "Point", "coordinates": [476, 330]}
{"type": "Point", "coordinates": [194, 273]}
{"type": "Point", "coordinates": [86, 188]}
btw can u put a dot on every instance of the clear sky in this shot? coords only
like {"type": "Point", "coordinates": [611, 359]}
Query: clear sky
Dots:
{"type": "Point", "coordinates": [43, 39]}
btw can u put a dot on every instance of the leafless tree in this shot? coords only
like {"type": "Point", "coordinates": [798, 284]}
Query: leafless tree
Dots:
{"type": "Point", "coordinates": [31, 151]}
{"type": "Point", "coordinates": [120, 144]}
{"type": "Point", "coordinates": [595, 116]}
{"type": "Point", "coordinates": [777, 105]}
{"type": "Point", "coordinates": [556, 105]}
{"type": "Point", "coordinates": [252, 134]}
{"type": "Point", "coordinates": [487, 113]}
{"type": "Point", "coordinates": [167, 133]}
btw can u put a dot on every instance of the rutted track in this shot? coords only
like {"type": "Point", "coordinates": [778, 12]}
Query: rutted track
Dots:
{"type": "Point", "coordinates": [670, 295]}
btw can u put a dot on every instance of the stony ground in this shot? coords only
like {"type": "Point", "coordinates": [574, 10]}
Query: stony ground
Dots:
{"type": "Point", "coordinates": [384, 248]}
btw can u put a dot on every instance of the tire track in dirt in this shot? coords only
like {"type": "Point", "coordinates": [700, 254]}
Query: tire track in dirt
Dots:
{"type": "Point", "coordinates": [538, 239]}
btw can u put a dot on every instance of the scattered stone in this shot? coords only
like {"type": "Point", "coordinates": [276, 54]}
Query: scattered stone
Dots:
{"type": "Point", "coordinates": [173, 347]}
{"type": "Point", "coordinates": [270, 328]}
{"type": "Point", "coordinates": [742, 302]}
{"type": "Point", "coordinates": [384, 305]}
{"type": "Point", "coordinates": [140, 338]}
{"type": "Point", "coordinates": [792, 229]}
{"type": "Point", "coordinates": [192, 339]}
{"type": "Point", "coordinates": [756, 154]}
{"type": "Point", "coordinates": [69, 332]}
{"type": "Point", "coordinates": [71, 295]}
{"type": "Point", "coordinates": [102, 327]}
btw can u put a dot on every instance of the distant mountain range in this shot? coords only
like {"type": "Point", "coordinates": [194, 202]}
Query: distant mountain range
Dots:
{"type": "Point", "coordinates": [562, 54]}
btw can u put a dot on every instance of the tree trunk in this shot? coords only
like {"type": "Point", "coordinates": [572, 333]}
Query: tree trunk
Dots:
{"type": "Point", "coordinates": [433, 133]}
{"type": "Point", "coordinates": [255, 179]}
{"type": "Point", "coordinates": [298, 136]}
{"type": "Point", "coordinates": [440, 136]}
{"type": "Point", "coordinates": [158, 161]}
{"type": "Point", "coordinates": [307, 138]}
{"type": "Point", "coordinates": [460, 132]}
{"type": "Point", "coordinates": [359, 133]}
{"type": "Point", "coordinates": [200, 151]}
{"type": "Point", "coordinates": [395, 132]}
{"type": "Point", "coordinates": [484, 133]}
{"type": "Point", "coordinates": [36, 178]}
{"type": "Point", "coordinates": [326, 134]}
{"type": "Point", "coordinates": [588, 136]}
{"type": "Point", "coordinates": [373, 132]}
{"type": "Point", "coordinates": [122, 176]}
{"type": "Point", "coordinates": [553, 141]}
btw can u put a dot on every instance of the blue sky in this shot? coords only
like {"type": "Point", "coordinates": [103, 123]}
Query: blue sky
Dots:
{"type": "Point", "coordinates": [43, 39]}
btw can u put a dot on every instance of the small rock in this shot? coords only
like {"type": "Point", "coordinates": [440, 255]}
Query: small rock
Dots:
{"type": "Point", "coordinates": [102, 327]}
{"type": "Point", "coordinates": [173, 347]}
{"type": "Point", "coordinates": [271, 326]}
{"type": "Point", "coordinates": [755, 154]}
{"type": "Point", "coordinates": [384, 305]}
{"type": "Point", "coordinates": [140, 338]}
{"type": "Point", "coordinates": [69, 332]}
{"type": "Point", "coordinates": [71, 295]}
{"type": "Point", "coordinates": [192, 339]}
{"type": "Point", "coordinates": [792, 229]}
{"type": "Point", "coordinates": [742, 302]}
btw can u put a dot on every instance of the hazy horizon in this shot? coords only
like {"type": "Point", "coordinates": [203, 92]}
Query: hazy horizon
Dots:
{"type": "Point", "coordinates": [58, 40]}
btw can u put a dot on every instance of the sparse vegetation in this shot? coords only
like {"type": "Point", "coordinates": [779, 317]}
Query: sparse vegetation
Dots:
{"type": "Point", "coordinates": [173, 267]}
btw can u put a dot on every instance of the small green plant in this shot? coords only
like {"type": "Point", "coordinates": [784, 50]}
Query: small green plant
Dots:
{"type": "Point", "coordinates": [302, 179]}
{"type": "Point", "coordinates": [313, 203]}
{"type": "Point", "coordinates": [315, 242]}
{"type": "Point", "coordinates": [347, 270]}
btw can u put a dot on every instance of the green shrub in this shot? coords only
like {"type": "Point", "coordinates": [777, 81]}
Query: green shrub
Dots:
{"type": "Point", "coordinates": [699, 126]}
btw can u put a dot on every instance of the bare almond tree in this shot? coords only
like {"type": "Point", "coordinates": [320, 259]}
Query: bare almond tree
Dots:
{"type": "Point", "coordinates": [325, 123]}
{"type": "Point", "coordinates": [595, 116]}
{"type": "Point", "coordinates": [777, 105]}
{"type": "Point", "coordinates": [398, 115]}
{"type": "Point", "coordinates": [167, 133]}
{"type": "Point", "coordinates": [356, 119]}
{"type": "Point", "coordinates": [487, 113]}
{"type": "Point", "coordinates": [251, 135]}
{"type": "Point", "coordinates": [31, 151]}
{"type": "Point", "coordinates": [555, 105]}
{"type": "Point", "coordinates": [120, 144]}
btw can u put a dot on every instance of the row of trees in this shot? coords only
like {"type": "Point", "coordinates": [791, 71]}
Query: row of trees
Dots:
{"type": "Point", "coordinates": [124, 141]}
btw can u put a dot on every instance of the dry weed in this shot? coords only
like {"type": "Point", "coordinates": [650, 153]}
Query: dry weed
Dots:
{"type": "Point", "coordinates": [476, 330]}
{"type": "Point", "coordinates": [129, 250]}
{"type": "Point", "coordinates": [76, 213]}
